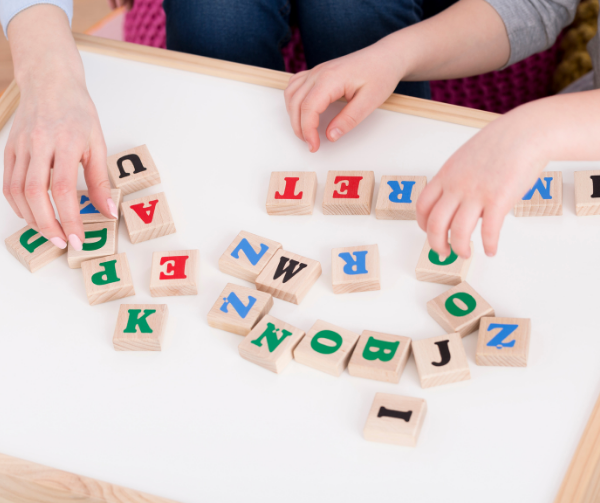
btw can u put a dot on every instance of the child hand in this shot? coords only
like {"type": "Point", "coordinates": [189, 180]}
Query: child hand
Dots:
{"type": "Point", "coordinates": [484, 178]}
{"type": "Point", "coordinates": [366, 78]}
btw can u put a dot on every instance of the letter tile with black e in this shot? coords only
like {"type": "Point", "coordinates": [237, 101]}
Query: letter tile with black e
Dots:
{"type": "Point", "coordinates": [326, 348]}
{"type": "Point", "coordinates": [378, 356]}
{"type": "Point", "coordinates": [238, 309]}
{"type": "Point", "coordinates": [441, 360]}
{"type": "Point", "coordinates": [107, 278]}
{"type": "Point", "coordinates": [271, 344]}
{"type": "Point", "coordinates": [141, 327]}
{"type": "Point", "coordinates": [459, 309]}
{"type": "Point", "coordinates": [355, 269]}
{"type": "Point", "coordinates": [395, 419]}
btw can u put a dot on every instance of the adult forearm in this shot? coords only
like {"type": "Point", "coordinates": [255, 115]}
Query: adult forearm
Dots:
{"type": "Point", "coordinates": [468, 38]}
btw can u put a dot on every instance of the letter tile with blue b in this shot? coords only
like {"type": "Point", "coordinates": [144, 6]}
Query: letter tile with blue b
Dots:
{"type": "Point", "coordinates": [355, 269]}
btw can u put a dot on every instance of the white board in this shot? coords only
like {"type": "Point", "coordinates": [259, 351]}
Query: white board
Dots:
{"type": "Point", "coordinates": [197, 422]}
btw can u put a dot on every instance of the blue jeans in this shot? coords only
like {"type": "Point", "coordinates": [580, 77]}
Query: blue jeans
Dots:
{"type": "Point", "coordinates": [254, 31]}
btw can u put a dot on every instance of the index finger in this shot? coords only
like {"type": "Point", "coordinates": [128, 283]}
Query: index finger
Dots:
{"type": "Point", "coordinates": [315, 103]}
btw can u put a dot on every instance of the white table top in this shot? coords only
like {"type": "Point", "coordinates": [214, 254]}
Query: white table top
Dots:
{"type": "Point", "coordinates": [197, 422]}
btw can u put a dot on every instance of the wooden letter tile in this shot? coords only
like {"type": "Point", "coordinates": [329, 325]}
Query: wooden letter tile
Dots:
{"type": "Point", "coordinates": [148, 217]}
{"type": "Point", "coordinates": [271, 344]}
{"type": "Point", "coordinates": [587, 193]}
{"type": "Point", "coordinates": [544, 199]}
{"type": "Point", "coordinates": [397, 197]}
{"type": "Point", "coordinates": [174, 273]}
{"type": "Point", "coordinates": [32, 249]}
{"type": "Point", "coordinates": [327, 348]}
{"type": "Point", "coordinates": [355, 269]}
{"type": "Point", "coordinates": [459, 309]}
{"type": "Point", "coordinates": [348, 193]}
{"type": "Point", "coordinates": [107, 278]}
{"type": "Point", "coordinates": [288, 276]}
{"type": "Point", "coordinates": [238, 309]}
{"type": "Point", "coordinates": [88, 212]}
{"type": "Point", "coordinates": [503, 342]}
{"type": "Point", "coordinates": [247, 256]}
{"type": "Point", "coordinates": [441, 360]}
{"type": "Point", "coordinates": [140, 327]}
{"type": "Point", "coordinates": [100, 241]}
{"type": "Point", "coordinates": [395, 419]}
{"type": "Point", "coordinates": [451, 271]}
{"type": "Point", "coordinates": [292, 193]}
{"type": "Point", "coordinates": [132, 170]}
{"type": "Point", "coordinates": [378, 356]}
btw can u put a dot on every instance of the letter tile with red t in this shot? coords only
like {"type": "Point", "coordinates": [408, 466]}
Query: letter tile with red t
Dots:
{"type": "Point", "coordinates": [348, 193]}
{"type": "Point", "coordinates": [292, 193]}
{"type": "Point", "coordinates": [174, 273]}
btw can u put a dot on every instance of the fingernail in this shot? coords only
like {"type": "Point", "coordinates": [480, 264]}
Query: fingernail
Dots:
{"type": "Point", "coordinates": [442, 258]}
{"type": "Point", "coordinates": [112, 207]}
{"type": "Point", "coordinates": [489, 254]}
{"type": "Point", "coordinates": [335, 134]}
{"type": "Point", "coordinates": [59, 243]}
{"type": "Point", "coordinates": [309, 146]}
{"type": "Point", "coordinates": [75, 242]}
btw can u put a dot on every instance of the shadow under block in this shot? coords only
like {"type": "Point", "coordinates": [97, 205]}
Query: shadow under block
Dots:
{"type": "Point", "coordinates": [107, 278]}
{"type": "Point", "coordinates": [88, 212]}
{"type": "Point", "coordinates": [174, 273]}
{"type": "Point", "coordinates": [288, 276]}
{"type": "Point", "coordinates": [132, 170]}
{"type": "Point", "coordinates": [587, 193]}
{"type": "Point", "coordinates": [247, 256]}
{"type": "Point", "coordinates": [271, 344]}
{"type": "Point", "coordinates": [544, 199]}
{"type": "Point", "coordinates": [148, 217]}
{"type": "Point", "coordinates": [451, 271]}
{"type": "Point", "coordinates": [100, 241]}
{"type": "Point", "coordinates": [348, 193]}
{"type": "Point", "coordinates": [395, 419]}
{"type": "Point", "coordinates": [326, 348]}
{"type": "Point", "coordinates": [292, 193]}
{"type": "Point", "coordinates": [397, 197]}
{"type": "Point", "coordinates": [140, 327]}
{"type": "Point", "coordinates": [503, 342]}
{"type": "Point", "coordinates": [378, 356]}
{"type": "Point", "coordinates": [26, 482]}
{"type": "Point", "coordinates": [355, 269]}
{"type": "Point", "coordinates": [238, 309]}
{"type": "Point", "coordinates": [459, 309]}
{"type": "Point", "coordinates": [32, 249]}
{"type": "Point", "coordinates": [441, 360]}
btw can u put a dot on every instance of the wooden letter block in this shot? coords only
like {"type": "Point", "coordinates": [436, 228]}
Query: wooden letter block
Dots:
{"type": "Point", "coordinates": [174, 273]}
{"type": "Point", "coordinates": [348, 193]}
{"type": "Point", "coordinates": [247, 256]}
{"type": "Point", "coordinates": [148, 217]}
{"type": "Point", "coordinates": [544, 199]}
{"type": "Point", "coordinates": [451, 271]}
{"type": "Point", "coordinates": [288, 276]}
{"type": "Point", "coordinates": [107, 278]}
{"type": "Point", "coordinates": [327, 348]}
{"type": "Point", "coordinates": [397, 198]}
{"type": "Point", "coordinates": [395, 419]}
{"type": "Point", "coordinates": [100, 241]}
{"type": "Point", "coordinates": [459, 309]}
{"type": "Point", "coordinates": [355, 269]}
{"type": "Point", "coordinates": [88, 212]}
{"type": "Point", "coordinates": [441, 360]}
{"type": "Point", "coordinates": [587, 193]}
{"type": "Point", "coordinates": [32, 249]}
{"type": "Point", "coordinates": [238, 309]}
{"type": "Point", "coordinates": [141, 327]}
{"type": "Point", "coordinates": [132, 170]}
{"type": "Point", "coordinates": [378, 356]}
{"type": "Point", "coordinates": [292, 193]}
{"type": "Point", "coordinates": [271, 344]}
{"type": "Point", "coordinates": [503, 342]}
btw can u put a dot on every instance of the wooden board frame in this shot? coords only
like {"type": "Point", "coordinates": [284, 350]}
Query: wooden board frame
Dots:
{"type": "Point", "coordinates": [582, 481]}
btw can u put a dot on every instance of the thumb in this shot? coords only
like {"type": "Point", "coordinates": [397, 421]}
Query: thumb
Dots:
{"type": "Point", "coordinates": [357, 109]}
{"type": "Point", "coordinates": [96, 179]}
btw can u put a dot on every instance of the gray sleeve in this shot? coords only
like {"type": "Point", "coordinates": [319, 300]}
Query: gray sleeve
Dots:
{"type": "Point", "coordinates": [533, 25]}
{"type": "Point", "coordinates": [10, 8]}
